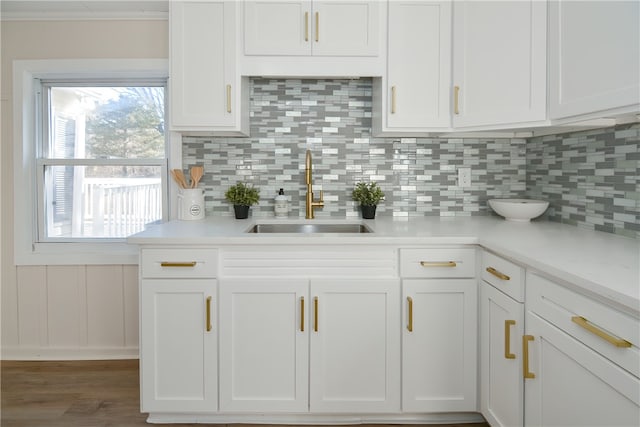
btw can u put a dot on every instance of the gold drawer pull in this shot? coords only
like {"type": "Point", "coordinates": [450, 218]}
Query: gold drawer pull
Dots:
{"type": "Point", "coordinates": [315, 314]}
{"type": "Point", "coordinates": [178, 264]}
{"type": "Point", "coordinates": [507, 339]}
{"type": "Point", "coordinates": [456, 94]}
{"type": "Point", "coordinates": [584, 323]}
{"type": "Point", "coordinates": [438, 263]}
{"type": "Point", "coordinates": [525, 356]}
{"type": "Point", "coordinates": [496, 273]}
{"type": "Point", "coordinates": [228, 98]}
{"type": "Point", "coordinates": [317, 26]}
{"type": "Point", "coordinates": [410, 304]}
{"type": "Point", "coordinates": [208, 314]}
{"type": "Point", "coordinates": [306, 26]}
{"type": "Point", "coordinates": [393, 99]}
{"type": "Point", "coordinates": [301, 314]}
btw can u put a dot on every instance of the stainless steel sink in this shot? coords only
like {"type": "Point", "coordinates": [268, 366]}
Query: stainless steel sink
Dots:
{"type": "Point", "coordinates": [309, 228]}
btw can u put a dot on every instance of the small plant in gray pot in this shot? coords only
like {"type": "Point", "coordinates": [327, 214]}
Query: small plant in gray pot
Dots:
{"type": "Point", "coordinates": [369, 195]}
{"type": "Point", "coordinates": [242, 197]}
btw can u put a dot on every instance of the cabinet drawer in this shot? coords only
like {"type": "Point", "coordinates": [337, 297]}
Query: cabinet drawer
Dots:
{"type": "Point", "coordinates": [610, 332]}
{"type": "Point", "coordinates": [437, 263]}
{"type": "Point", "coordinates": [504, 275]}
{"type": "Point", "coordinates": [179, 263]}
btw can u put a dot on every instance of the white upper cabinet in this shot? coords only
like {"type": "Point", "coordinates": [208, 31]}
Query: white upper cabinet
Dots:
{"type": "Point", "coordinates": [321, 28]}
{"type": "Point", "coordinates": [415, 93]}
{"type": "Point", "coordinates": [499, 63]}
{"type": "Point", "coordinates": [594, 51]}
{"type": "Point", "coordinates": [277, 27]}
{"type": "Point", "coordinates": [346, 28]}
{"type": "Point", "coordinates": [205, 92]}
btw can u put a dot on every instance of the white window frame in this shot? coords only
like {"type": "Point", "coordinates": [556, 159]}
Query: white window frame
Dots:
{"type": "Point", "coordinates": [26, 74]}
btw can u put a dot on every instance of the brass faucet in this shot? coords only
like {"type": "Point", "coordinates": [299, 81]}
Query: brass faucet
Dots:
{"type": "Point", "coordinates": [310, 202]}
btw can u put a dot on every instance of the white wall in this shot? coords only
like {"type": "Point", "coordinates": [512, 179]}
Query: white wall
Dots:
{"type": "Point", "coordinates": [66, 312]}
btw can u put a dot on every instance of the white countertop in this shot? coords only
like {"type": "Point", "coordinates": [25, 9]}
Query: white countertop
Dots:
{"type": "Point", "coordinates": [601, 263]}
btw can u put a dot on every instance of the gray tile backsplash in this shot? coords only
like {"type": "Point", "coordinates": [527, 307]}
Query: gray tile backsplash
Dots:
{"type": "Point", "coordinates": [591, 179]}
{"type": "Point", "coordinates": [332, 118]}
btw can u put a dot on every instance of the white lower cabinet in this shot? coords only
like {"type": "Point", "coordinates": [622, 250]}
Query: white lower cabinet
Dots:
{"type": "Point", "coordinates": [340, 345]}
{"type": "Point", "coordinates": [501, 327]}
{"type": "Point", "coordinates": [572, 385]}
{"type": "Point", "coordinates": [355, 346]}
{"type": "Point", "coordinates": [290, 345]}
{"type": "Point", "coordinates": [178, 351]}
{"type": "Point", "coordinates": [439, 354]}
{"type": "Point", "coordinates": [264, 345]}
{"type": "Point", "coordinates": [581, 359]}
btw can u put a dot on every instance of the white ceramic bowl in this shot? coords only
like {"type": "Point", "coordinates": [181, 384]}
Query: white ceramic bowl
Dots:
{"type": "Point", "coordinates": [522, 210]}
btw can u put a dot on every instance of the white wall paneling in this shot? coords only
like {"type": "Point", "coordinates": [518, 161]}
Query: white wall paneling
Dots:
{"type": "Point", "coordinates": [71, 312]}
{"type": "Point", "coordinates": [45, 309]}
{"type": "Point", "coordinates": [65, 290]}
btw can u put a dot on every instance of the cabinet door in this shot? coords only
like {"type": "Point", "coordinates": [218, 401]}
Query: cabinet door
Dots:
{"type": "Point", "coordinates": [418, 95]}
{"type": "Point", "coordinates": [594, 56]}
{"type": "Point", "coordinates": [355, 346]}
{"type": "Point", "coordinates": [439, 345]}
{"type": "Point", "coordinates": [202, 57]}
{"type": "Point", "coordinates": [277, 27]}
{"type": "Point", "coordinates": [178, 350]}
{"type": "Point", "coordinates": [264, 345]}
{"type": "Point", "coordinates": [574, 385]}
{"type": "Point", "coordinates": [346, 28]}
{"type": "Point", "coordinates": [499, 62]}
{"type": "Point", "coordinates": [501, 383]}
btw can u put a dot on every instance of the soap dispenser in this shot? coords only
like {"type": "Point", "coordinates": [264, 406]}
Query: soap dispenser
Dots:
{"type": "Point", "coordinates": [282, 205]}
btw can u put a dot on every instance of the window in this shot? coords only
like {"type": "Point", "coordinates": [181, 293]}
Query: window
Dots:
{"type": "Point", "coordinates": [90, 158]}
{"type": "Point", "coordinates": [101, 162]}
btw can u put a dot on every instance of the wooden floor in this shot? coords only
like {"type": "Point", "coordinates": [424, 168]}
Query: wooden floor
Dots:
{"type": "Point", "coordinates": [75, 394]}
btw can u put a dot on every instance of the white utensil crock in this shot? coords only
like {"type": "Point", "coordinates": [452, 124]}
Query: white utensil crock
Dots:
{"type": "Point", "coordinates": [191, 204]}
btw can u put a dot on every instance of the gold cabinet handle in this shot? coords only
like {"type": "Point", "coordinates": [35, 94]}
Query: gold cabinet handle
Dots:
{"type": "Point", "coordinates": [317, 24]}
{"type": "Point", "coordinates": [393, 99]}
{"type": "Point", "coordinates": [315, 314]}
{"type": "Point", "coordinates": [456, 93]}
{"type": "Point", "coordinates": [302, 314]}
{"type": "Point", "coordinates": [525, 356]}
{"type": "Point", "coordinates": [507, 339]}
{"type": "Point", "coordinates": [306, 26]}
{"type": "Point", "coordinates": [496, 273]}
{"type": "Point", "coordinates": [228, 98]}
{"type": "Point", "coordinates": [584, 323]}
{"type": "Point", "coordinates": [208, 314]}
{"type": "Point", "coordinates": [178, 264]}
{"type": "Point", "coordinates": [438, 263]}
{"type": "Point", "coordinates": [410, 307]}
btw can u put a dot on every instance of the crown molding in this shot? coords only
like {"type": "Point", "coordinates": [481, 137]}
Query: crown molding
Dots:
{"type": "Point", "coordinates": [84, 16]}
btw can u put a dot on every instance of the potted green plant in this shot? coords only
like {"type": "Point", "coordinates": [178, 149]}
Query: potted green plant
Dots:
{"type": "Point", "coordinates": [243, 197]}
{"type": "Point", "coordinates": [369, 195]}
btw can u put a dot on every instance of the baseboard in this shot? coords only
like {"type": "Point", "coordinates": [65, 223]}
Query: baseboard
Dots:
{"type": "Point", "coordinates": [87, 353]}
{"type": "Point", "coordinates": [310, 419]}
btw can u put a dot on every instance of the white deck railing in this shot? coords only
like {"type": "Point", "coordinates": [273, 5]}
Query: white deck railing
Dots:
{"type": "Point", "coordinates": [120, 207]}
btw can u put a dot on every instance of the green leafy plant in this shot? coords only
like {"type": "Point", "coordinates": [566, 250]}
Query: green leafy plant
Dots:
{"type": "Point", "coordinates": [242, 195]}
{"type": "Point", "coordinates": [367, 194]}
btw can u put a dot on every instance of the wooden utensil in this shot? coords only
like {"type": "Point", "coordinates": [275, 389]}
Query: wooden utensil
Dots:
{"type": "Point", "coordinates": [196, 175]}
{"type": "Point", "coordinates": [179, 177]}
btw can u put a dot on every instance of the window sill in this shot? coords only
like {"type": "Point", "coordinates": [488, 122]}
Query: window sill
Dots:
{"type": "Point", "coordinates": [79, 253]}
